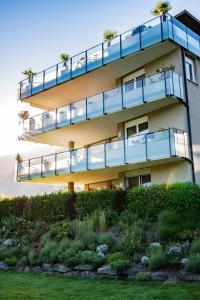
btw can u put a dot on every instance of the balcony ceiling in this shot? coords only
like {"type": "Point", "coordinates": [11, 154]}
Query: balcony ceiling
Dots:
{"type": "Point", "coordinates": [98, 80]}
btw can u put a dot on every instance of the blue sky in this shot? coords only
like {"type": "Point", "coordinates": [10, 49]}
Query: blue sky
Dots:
{"type": "Point", "coordinates": [35, 32]}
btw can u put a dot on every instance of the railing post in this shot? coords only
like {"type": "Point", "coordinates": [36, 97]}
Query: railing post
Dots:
{"type": "Point", "coordinates": [86, 156]}
{"type": "Point", "coordinates": [165, 82]}
{"type": "Point", "coordinates": [105, 162]}
{"type": "Point", "coordinates": [144, 101]}
{"type": "Point", "coordinates": [43, 76]}
{"type": "Point", "coordinates": [122, 96]}
{"type": "Point", "coordinates": [70, 161]}
{"type": "Point", "coordinates": [56, 164]}
{"type": "Point", "coordinates": [104, 103]}
{"type": "Point", "coordinates": [120, 41]}
{"type": "Point", "coordinates": [86, 113]}
{"type": "Point", "coordinates": [42, 159]}
{"type": "Point", "coordinates": [102, 53]}
{"type": "Point", "coordinates": [70, 67]}
{"type": "Point", "coordinates": [161, 27]}
{"type": "Point", "coordinates": [56, 121]}
{"type": "Point", "coordinates": [29, 165]}
{"type": "Point", "coordinates": [86, 60]}
{"type": "Point", "coordinates": [140, 37]}
{"type": "Point", "coordinates": [170, 146]}
{"type": "Point", "coordinates": [70, 113]}
{"type": "Point", "coordinates": [124, 145]}
{"type": "Point", "coordinates": [146, 147]}
{"type": "Point", "coordinates": [31, 83]}
{"type": "Point", "coordinates": [56, 74]}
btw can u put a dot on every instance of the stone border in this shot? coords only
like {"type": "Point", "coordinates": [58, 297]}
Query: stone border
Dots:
{"type": "Point", "coordinates": [87, 271]}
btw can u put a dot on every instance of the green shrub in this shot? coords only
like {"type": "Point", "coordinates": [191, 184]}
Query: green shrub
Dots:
{"type": "Point", "coordinates": [155, 249]}
{"type": "Point", "coordinates": [60, 230]}
{"type": "Point", "coordinates": [25, 250]}
{"type": "Point", "coordinates": [105, 238]}
{"type": "Point", "coordinates": [157, 262]}
{"type": "Point", "coordinates": [49, 253]}
{"type": "Point", "coordinates": [68, 257]}
{"type": "Point", "coordinates": [90, 257]}
{"type": "Point", "coordinates": [92, 201]}
{"type": "Point", "coordinates": [116, 256]}
{"type": "Point", "coordinates": [11, 261]}
{"type": "Point", "coordinates": [33, 258]}
{"type": "Point", "coordinates": [143, 276]}
{"type": "Point", "coordinates": [147, 201]}
{"type": "Point", "coordinates": [77, 245]}
{"type": "Point", "coordinates": [193, 265]}
{"type": "Point", "coordinates": [195, 248]}
{"type": "Point", "coordinates": [172, 224]}
{"type": "Point", "coordinates": [131, 241]}
{"type": "Point", "coordinates": [119, 265]}
{"type": "Point", "coordinates": [24, 260]}
{"type": "Point", "coordinates": [6, 252]}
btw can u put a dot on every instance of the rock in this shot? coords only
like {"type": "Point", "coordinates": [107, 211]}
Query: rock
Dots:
{"type": "Point", "coordinates": [88, 275]}
{"type": "Point", "coordinates": [106, 270]}
{"type": "Point", "coordinates": [171, 280]}
{"type": "Point", "coordinates": [84, 267]}
{"type": "Point", "coordinates": [3, 266]}
{"type": "Point", "coordinates": [72, 274]}
{"type": "Point", "coordinates": [8, 242]}
{"type": "Point", "coordinates": [26, 269]}
{"type": "Point", "coordinates": [133, 269]}
{"type": "Point", "coordinates": [159, 276]}
{"type": "Point", "coordinates": [184, 261]}
{"type": "Point", "coordinates": [186, 276]}
{"type": "Point", "coordinates": [36, 269]}
{"type": "Point", "coordinates": [60, 268]}
{"type": "Point", "coordinates": [46, 267]}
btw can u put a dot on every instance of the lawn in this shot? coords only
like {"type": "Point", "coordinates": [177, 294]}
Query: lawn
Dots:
{"type": "Point", "coordinates": [25, 286]}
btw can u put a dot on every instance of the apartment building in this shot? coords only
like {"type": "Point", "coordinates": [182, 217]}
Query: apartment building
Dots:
{"type": "Point", "coordinates": [126, 112]}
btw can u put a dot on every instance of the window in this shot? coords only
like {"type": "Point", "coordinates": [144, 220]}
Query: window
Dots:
{"type": "Point", "coordinates": [134, 80]}
{"type": "Point", "coordinates": [142, 180]}
{"type": "Point", "coordinates": [189, 65]}
{"type": "Point", "coordinates": [135, 127]}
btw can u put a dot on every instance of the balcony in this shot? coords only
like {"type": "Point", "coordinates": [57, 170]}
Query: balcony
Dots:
{"type": "Point", "coordinates": [130, 42]}
{"type": "Point", "coordinates": [150, 91]}
{"type": "Point", "coordinates": [159, 146]}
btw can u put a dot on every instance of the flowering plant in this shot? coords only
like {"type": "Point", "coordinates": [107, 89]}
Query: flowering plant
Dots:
{"type": "Point", "coordinates": [102, 249]}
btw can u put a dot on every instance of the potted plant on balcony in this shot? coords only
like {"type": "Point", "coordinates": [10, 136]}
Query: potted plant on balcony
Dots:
{"type": "Point", "coordinates": [108, 35]}
{"type": "Point", "coordinates": [29, 73]}
{"type": "Point", "coordinates": [19, 160]}
{"type": "Point", "coordinates": [163, 71]}
{"type": "Point", "coordinates": [64, 58]}
{"type": "Point", "coordinates": [161, 9]}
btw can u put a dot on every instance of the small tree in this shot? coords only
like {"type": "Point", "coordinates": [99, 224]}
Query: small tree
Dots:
{"type": "Point", "coordinates": [29, 73]}
{"type": "Point", "coordinates": [23, 115]}
{"type": "Point", "coordinates": [108, 35]}
{"type": "Point", "coordinates": [18, 158]}
{"type": "Point", "coordinates": [162, 7]}
{"type": "Point", "coordinates": [64, 58]}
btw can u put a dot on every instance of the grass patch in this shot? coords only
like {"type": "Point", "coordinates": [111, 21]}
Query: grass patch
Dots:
{"type": "Point", "coordinates": [23, 286]}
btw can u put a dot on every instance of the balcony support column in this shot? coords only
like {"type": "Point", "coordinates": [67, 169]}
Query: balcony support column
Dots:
{"type": "Point", "coordinates": [122, 181]}
{"type": "Point", "coordinates": [108, 185]}
{"type": "Point", "coordinates": [71, 187]}
{"type": "Point", "coordinates": [120, 130]}
{"type": "Point", "coordinates": [86, 188]}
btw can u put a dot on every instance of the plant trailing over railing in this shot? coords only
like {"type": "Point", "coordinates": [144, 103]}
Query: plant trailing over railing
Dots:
{"type": "Point", "coordinates": [23, 115]}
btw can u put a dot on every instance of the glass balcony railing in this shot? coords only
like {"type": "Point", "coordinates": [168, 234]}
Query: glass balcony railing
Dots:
{"type": "Point", "coordinates": [135, 93]}
{"type": "Point", "coordinates": [141, 37]}
{"type": "Point", "coordinates": [140, 148]}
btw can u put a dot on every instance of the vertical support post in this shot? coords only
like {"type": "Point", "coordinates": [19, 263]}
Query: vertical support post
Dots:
{"type": "Point", "coordinates": [29, 166]}
{"type": "Point", "coordinates": [70, 184]}
{"type": "Point", "coordinates": [146, 149]}
{"type": "Point", "coordinates": [170, 146]}
{"type": "Point", "coordinates": [56, 74]}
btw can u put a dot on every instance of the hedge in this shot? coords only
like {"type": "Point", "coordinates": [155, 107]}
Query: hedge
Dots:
{"type": "Point", "coordinates": [143, 201]}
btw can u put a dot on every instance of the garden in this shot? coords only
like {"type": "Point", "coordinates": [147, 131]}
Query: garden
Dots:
{"type": "Point", "coordinates": [147, 233]}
